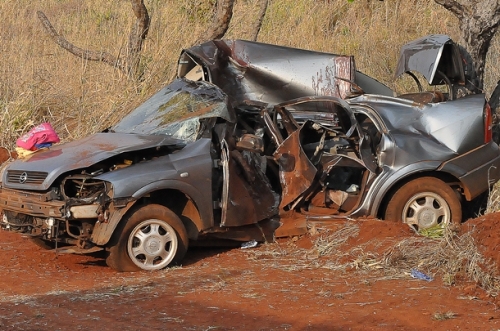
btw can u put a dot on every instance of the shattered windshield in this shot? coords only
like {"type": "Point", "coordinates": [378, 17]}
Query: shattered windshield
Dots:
{"type": "Point", "coordinates": [176, 110]}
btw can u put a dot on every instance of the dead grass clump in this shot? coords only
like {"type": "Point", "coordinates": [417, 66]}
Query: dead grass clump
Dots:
{"type": "Point", "coordinates": [365, 260]}
{"type": "Point", "coordinates": [440, 316]}
{"type": "Point", "coordinates": [493, 199]}
{"type": "Point", "coordinates": [328, 241]}
{"type": "Point", "coordinates": [450, 257]}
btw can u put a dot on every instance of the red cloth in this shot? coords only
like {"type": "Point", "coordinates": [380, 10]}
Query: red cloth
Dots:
{"type": "Point", "coordinates": [40, 134]}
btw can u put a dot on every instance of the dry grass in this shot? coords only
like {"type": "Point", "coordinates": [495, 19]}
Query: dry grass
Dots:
{"type": "Point", "coordinates": [493, 199]}
{"type": "Point", "coordinates": [439, 316]}
{"type": "Point", "coordinates": [451, 258]}
{"type": "Point", "coordinates": [41, 82]}
{"type": "Point", "coordinates": [329, 242]}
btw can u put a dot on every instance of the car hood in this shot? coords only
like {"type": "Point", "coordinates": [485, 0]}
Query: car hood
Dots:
{"type": "Point", "coordinates": [78, 154]}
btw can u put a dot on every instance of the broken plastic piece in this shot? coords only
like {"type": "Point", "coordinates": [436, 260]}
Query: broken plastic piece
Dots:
{"type": "Point", "coordinates": [249, 244]}
{"type": "Point", "coordinates": [419, 275]}
{"type": "Point", "coordinates": [353, 188]}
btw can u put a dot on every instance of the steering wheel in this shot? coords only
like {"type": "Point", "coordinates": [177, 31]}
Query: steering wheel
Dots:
{"type": "Point", "coordinates": [448, 84]}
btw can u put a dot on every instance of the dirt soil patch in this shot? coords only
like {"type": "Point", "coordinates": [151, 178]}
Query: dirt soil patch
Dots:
{"type": "Point", "coordinates": [334, 278]}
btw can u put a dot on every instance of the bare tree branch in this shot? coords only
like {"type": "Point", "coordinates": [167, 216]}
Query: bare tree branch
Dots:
{"type": "Point", "coordinates": [221, 20]}
{"type": "Point", "coordinates": [258, 24]}
{"type": "Point", "coordinates": [82, 53]}
{"type": "Point", "coordinates": [454, 6]}
{"type": "Point", "coordinates": [136, 38]}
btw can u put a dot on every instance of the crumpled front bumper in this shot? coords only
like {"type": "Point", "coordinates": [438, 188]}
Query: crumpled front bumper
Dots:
{"type": "Point", "coordinates": [31, 203]}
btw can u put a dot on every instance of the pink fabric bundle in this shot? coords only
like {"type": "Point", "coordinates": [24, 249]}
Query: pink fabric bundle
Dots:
{"type": "Point", "coordinates": [40, 134]}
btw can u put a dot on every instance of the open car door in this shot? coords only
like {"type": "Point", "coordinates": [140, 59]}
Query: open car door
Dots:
{"type": "Point", "coordinates": [319, 164]}
{"type": "Point", "coordinates": [247, 196]}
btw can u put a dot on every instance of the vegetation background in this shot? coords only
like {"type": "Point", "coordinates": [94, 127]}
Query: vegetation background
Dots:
{"type": "Point", "coordinates": [42, 82]}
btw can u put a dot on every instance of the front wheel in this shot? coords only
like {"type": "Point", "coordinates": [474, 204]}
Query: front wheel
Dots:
{"type": "Point", "coordinates": [151, 238]}
{"type": "Point", "coordinates": [424, 203]}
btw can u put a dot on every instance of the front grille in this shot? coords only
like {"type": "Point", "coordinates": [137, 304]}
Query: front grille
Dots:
{"type": "Point", "coordinates": [26, 177]}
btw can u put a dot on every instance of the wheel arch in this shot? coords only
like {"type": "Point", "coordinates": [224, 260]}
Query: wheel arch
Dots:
{"type": "Point", "coordinates": [448, 178]}
{"type": "Point", "coordinates": [192, 208]}
{"type": "Point", "coordinates": [181, 204]}
{"type": "Point", "coordinates": [183, 199]}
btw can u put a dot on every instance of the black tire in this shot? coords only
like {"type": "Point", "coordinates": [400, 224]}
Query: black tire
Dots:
{"type": "Point", "coordinates": [423, 203]}
{"type": "Point", "coordinates": [160, 228]}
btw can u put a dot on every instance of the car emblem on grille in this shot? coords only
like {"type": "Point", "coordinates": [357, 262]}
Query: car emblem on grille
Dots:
{"type": "Point", "coordinates": [23, 178]}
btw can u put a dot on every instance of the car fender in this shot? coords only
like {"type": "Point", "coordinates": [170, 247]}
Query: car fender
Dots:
{"type": "Point", "coordinates": [385, 181]}
{"type": "Point", "coordinates": [477, 169]}
{"type": "Point", "coordinates": [204, 204]}
{"type": "Point", "coordinates": [104, 230]}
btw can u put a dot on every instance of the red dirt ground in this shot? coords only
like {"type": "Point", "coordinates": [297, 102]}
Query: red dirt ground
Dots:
{"type": "Point", "coordinates": [278, 286]}
{"type": "Point", "coordinates": [486, 236]}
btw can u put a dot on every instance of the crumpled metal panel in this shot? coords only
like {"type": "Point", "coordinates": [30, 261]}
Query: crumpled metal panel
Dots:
{"type": "Point", "coordinates": [81, 154]}
{"type": "Point", "coordinates": [274, 74]}
{"type": "Point", "coordinates": [194, 161]}
{"type": "Point", "coordinates": [300, 173]}
{"type": "Point", "coordinates": [297, 172]}
{"type": "Point", "coordinates": [247, 196]}
{"type": "Point", "coordinates": [31, 203]}
{"type": "Point", "coordinates": [430, 131]}
{"type": "Point", "coordinates": [428, 54]}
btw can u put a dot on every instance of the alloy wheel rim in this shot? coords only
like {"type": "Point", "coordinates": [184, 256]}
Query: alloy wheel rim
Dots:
{"type": "Point", "coordinates": [152, 244]}
{"type": "Point", "coordinates": [425, 210]}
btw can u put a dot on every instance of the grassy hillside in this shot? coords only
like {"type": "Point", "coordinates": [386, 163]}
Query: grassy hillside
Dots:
{"type": "Point", "coordinates": [42, 82]}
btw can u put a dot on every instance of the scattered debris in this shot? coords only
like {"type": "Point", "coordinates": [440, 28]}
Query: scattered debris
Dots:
{"type": "Point", "coordinates": [420, 275]}
{"type": "Point", "coordinates": [249, 244]}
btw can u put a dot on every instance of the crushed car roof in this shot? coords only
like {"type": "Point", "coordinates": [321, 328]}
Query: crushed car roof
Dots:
{"type": "Point", "coordinates": [269, 73]}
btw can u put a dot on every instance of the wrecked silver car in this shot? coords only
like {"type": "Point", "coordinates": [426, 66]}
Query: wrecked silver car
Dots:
{"type": "Point", "coordinates": [242, 137]}
{"type": "Point", "coordinates": [169, 172]}
{"type": "Point", "coordinates": [361, 150]}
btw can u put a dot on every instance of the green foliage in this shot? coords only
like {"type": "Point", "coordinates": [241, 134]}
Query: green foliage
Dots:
{"type": "Point", "coordinates": [434, 232]}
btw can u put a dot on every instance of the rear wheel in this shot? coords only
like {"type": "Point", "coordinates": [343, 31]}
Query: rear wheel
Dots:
{"type": "Point", "coordinates": [424, 203]}
{"type": "Point", "coordinates": [151, 238]}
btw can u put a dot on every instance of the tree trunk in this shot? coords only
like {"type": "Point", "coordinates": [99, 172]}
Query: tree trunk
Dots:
{"type": "Point", "coordinates": [478, 23]}
{"type": "Point", "coordinates": [82, 53]}
{"type": "Point", "coordinates": [221, 20]}
{"type": "Point", "coordinates": [258, 24]}
{"type": "Point", "coordinates": [137, 35]}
